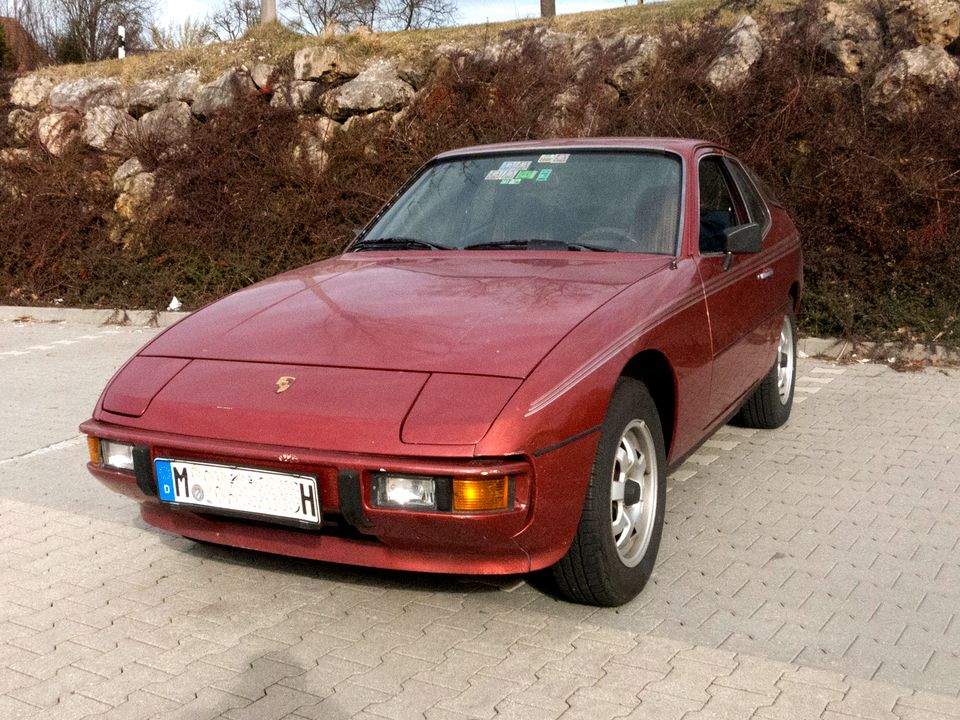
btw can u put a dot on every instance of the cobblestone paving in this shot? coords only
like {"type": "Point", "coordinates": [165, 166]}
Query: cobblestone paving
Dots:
{"type": "Point", "coordinates": [810, 572]}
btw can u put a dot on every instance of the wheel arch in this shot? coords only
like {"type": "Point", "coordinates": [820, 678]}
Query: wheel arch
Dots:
{"type": "Point", "coordinates": [654, 369]}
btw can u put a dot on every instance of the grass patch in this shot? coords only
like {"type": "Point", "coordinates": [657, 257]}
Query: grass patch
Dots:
{"type": "Point", "coordinates": [272, 44]}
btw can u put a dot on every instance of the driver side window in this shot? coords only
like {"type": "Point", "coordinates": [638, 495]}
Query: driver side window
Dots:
{"type": "Point", "coordinates": [718, 211]}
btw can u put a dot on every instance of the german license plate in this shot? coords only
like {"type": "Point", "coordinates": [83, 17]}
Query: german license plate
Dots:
{"type": "Point", "coordinates": [243, 490]}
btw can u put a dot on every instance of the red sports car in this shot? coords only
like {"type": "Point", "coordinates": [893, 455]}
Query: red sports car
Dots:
{"type": "Point", "coordinates": [496, 376]}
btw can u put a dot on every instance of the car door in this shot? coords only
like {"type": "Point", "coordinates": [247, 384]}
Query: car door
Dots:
{"type": "Point", "coordinates": [734, 290]}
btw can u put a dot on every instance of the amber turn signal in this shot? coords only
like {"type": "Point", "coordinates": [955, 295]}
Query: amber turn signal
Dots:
{"type": "Point", "coordinates": [478, 494]}
{"type": "Point", "coordinates": [93, 446]}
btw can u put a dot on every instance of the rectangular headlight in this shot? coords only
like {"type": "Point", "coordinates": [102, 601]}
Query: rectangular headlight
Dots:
{"type": "Point", "coordinates": [406, 492]}
{"type": "Point", "coordinates": [116, 455]}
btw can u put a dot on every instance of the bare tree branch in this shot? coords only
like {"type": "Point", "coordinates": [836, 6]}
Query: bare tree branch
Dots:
{"type": "Point", "coordinates": [314, 17]}
{"type": "Point", "coordinates": [188, 34]}
{"type": "Point", "coordinates": [89, 27]}
{"type": "Point", "coordinates": [231, 20]}
{"type": "Point", "coordinates": [409, 14]}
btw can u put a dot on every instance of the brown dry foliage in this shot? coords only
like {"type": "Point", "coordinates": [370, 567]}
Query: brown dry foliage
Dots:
{"type": "Point", "coordinates": [876, 201]}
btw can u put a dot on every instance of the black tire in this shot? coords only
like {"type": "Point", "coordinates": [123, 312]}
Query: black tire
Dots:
{"type": "Point", "coordinates": [768, 408]}
{"type": "Point", "coordinates": [594, 571]}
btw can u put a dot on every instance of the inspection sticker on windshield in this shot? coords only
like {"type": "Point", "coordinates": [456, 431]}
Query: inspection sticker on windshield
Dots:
{"type": "Point", "coordinates": [510, 181]}
{"type": "Point", "coordinates": [526, 174]}
{"type": "Point", "coordinates": [501, 174]}
{"type": "Point", "coordinates": [555, 159]}
{"type": "Point", "coordinates": [544, 175]}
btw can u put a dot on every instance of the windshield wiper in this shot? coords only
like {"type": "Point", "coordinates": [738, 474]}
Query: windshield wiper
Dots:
{"type": "Point", "coordinates": [538, 244]}
{"type": "Point", "coordinates": [395, 243]}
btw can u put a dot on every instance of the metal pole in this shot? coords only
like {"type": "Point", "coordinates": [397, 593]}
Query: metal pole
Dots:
{"type": "Point", "coordinates": [268, 11]}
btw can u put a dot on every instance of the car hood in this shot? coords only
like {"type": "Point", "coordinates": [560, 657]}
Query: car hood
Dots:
{"type": "Point", "coordinates": [484, 313]}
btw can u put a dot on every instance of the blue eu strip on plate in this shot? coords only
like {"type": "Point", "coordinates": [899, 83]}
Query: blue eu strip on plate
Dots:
{"type": "Point", "coordinates": [164, 480]}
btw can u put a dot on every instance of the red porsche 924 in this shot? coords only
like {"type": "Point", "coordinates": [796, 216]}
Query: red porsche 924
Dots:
{"type": "Point", "coordinates": [497, 376]}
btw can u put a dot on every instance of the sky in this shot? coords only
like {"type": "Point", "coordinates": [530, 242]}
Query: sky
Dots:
{"type": "Point", "coordinates": [469, 11]}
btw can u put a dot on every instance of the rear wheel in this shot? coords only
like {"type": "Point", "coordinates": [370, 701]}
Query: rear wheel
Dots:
{"type": "Point", "coordinates": [613, 553]}
{"type": "Point", "coordinates": [770, 404]}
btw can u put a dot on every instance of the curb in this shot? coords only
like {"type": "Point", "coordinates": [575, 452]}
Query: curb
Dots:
{"type": "Point", "coordinates": [830, 348]}
{"type": "Point", "coordinates": [80, 316]}
{"type": "Point", "coordinates": [838, 350]}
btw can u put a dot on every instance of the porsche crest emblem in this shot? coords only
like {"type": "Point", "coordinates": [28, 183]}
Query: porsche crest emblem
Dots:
{"type": "Point", "coordinates": [284, 383]}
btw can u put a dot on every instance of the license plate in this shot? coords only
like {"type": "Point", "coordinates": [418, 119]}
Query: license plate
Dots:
{"type": "Point", "coordinates": [243, 490]}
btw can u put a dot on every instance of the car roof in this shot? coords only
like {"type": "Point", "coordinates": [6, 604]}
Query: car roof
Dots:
{"type": "Point", "coordinates": [682, 146]}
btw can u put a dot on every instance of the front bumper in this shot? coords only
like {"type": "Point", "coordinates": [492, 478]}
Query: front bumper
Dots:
{"type": "Point", "coordinates": [534, 533]}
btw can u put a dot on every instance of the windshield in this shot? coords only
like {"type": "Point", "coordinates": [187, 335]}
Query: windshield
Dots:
{"type": "Point", "coordinates": [576, 200]}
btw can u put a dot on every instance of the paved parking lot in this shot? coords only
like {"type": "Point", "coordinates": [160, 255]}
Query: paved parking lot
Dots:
{"type": "Point", "coordinates": [808, 572]}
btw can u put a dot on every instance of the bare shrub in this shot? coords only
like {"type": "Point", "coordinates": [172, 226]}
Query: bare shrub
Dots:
{"type": "Point", "coordinates": [875, 200]}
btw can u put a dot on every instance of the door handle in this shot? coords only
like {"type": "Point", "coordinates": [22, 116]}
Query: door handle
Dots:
{"type": "Point", "coordinates": [765, 274]}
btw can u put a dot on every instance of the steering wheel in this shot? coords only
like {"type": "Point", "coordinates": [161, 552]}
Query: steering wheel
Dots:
{"type": "Point", "coordinates": [606, 233]}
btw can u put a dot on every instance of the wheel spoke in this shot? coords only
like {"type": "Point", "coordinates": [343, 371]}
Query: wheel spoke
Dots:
{"type": "Point", "coordinates": [631, 455]}
{"type": "Point", "coordinates": [617, 489]}
{"type": "Point", "coordinates": [621, 461]}
{"type": "Point", "coordinates": [635, 512]}
{"type": "Point", "coordinates": [639, 469]}
{"type": "Point", "coordinates": [623, 529]}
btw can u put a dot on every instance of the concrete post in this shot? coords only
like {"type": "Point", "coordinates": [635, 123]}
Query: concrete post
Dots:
{"type": "Point", "coordinates": [268, 11]}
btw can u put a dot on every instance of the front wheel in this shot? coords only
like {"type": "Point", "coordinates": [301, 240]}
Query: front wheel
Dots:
{"type": "Point", "coordinates": [770, 404]}
{"type": "Point", "coordinates": [613, 553]}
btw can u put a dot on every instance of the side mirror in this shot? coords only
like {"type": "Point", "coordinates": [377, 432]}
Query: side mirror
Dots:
{"type": "Point", "coordinates": [742, 239]}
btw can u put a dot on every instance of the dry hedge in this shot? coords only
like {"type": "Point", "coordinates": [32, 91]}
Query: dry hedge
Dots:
{"type": "Point", "coordinates": [876, 201]}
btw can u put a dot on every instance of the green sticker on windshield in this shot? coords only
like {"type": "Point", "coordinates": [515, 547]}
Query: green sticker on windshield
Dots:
{"type": "Point", "coordinates": [527, 175]}
{"type": "Point", "coordinates": [512, 181]}
{"type": "Point", "coordinates": [544, 175]}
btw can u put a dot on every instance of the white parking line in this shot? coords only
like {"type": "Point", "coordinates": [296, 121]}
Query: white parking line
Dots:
{"type": "Point", "coordinates": [71, 442]}
{"type": "Point", "coordinates": [56, 344]}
